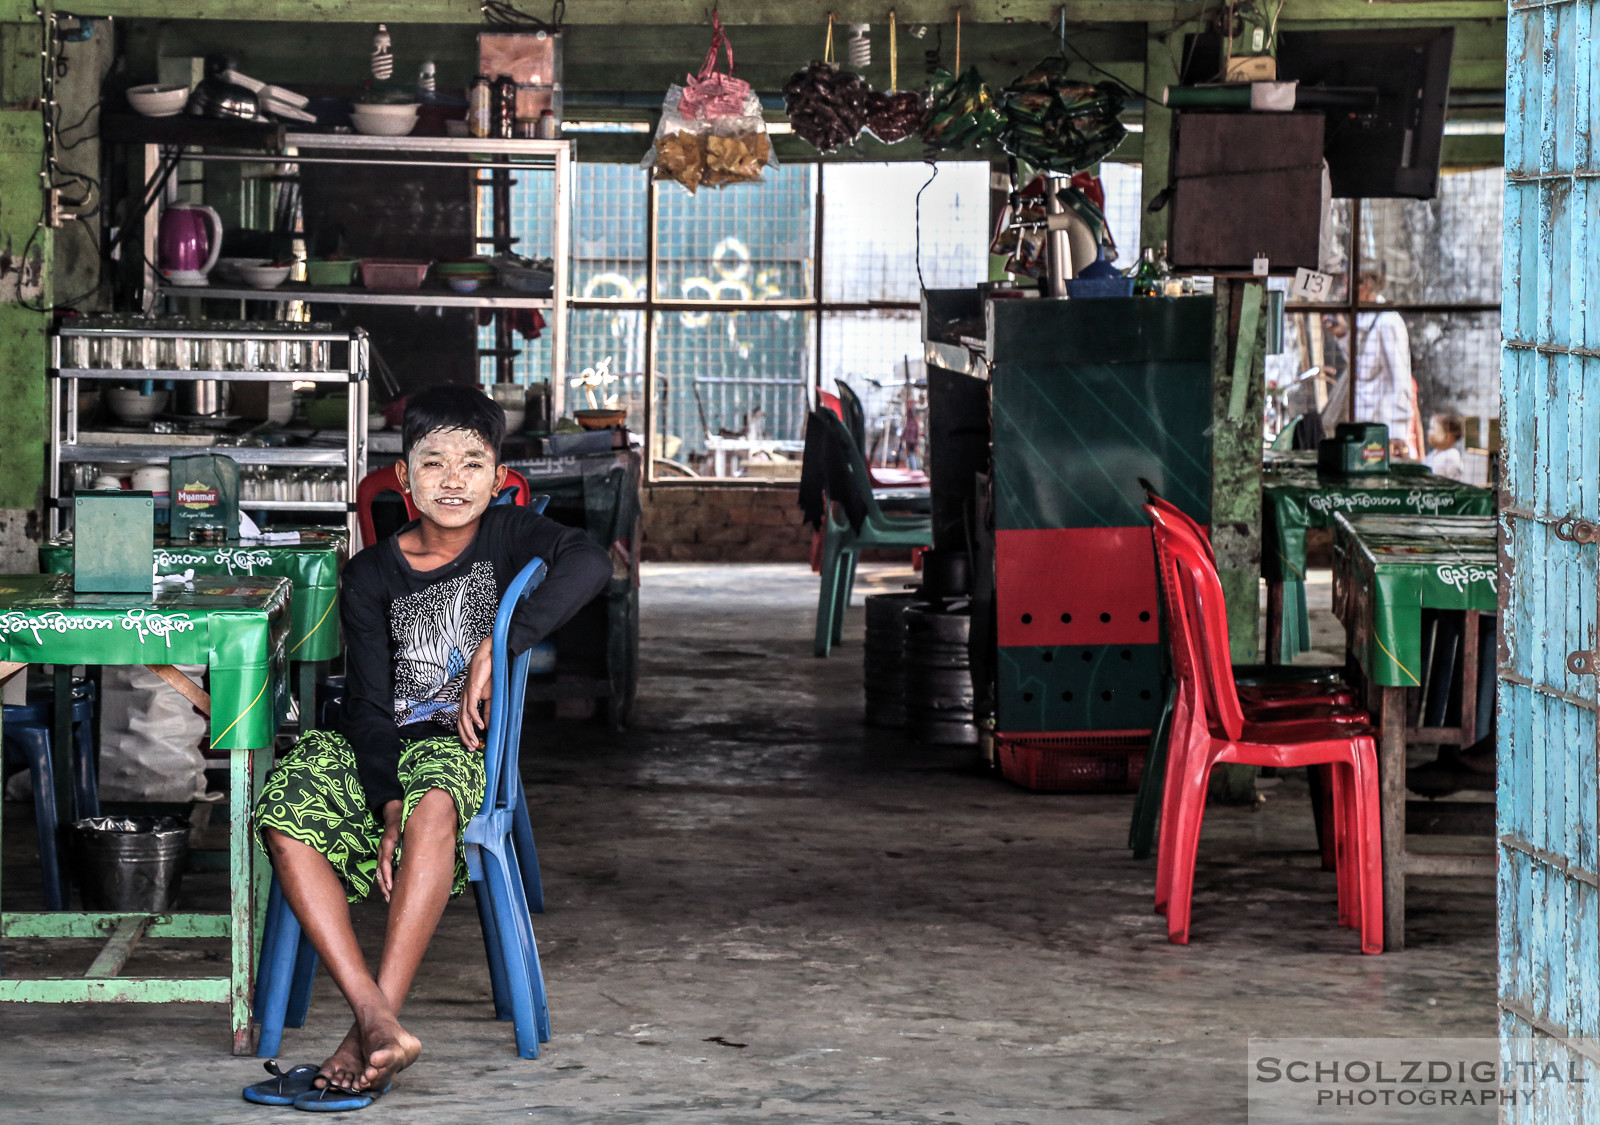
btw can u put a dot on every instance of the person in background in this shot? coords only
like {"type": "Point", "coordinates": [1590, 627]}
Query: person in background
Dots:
{"type": "Point", "coordinates": [1385, 390]}
{"type": "Point", "coordinates": [1445, 432]}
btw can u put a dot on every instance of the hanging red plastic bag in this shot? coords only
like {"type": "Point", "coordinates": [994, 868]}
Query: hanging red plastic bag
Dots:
{"type": "Point", "coordinates": [711, 132]}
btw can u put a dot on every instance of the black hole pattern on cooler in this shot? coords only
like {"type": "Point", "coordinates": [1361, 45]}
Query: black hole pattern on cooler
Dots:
{"type": "Point", "coordinates": [1106, 695]}
{"type": "Point", "coordinates": [1066, 619]}
{"type": "Point", "coordinates": [1047, 657]}
{"type": "Point", "coordinates": [1126, 655]}
{"type": "Point", "coordinates": [1027, 619]}
{"type": "Point", "coordinates": [1087, 656]}
{"type": "Point", "coordinates": [1144, 615]}
{"type": "Point", "coordinates": [1144, 694]}
{"type": "Point", "coordinates": [1027, 697]}
{"type": "Point", "coordinates": [1105, 619]}
{"type": "Point", "coordinates": [1066, 697]}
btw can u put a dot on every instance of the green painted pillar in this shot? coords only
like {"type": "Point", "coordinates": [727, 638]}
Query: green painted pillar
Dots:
{"type": "Point", "coordinates": [25, 248]}
{"type": "Point", "coordinates": [1238, 391]}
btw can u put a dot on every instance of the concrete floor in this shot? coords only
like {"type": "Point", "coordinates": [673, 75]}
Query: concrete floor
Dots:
{"type": "Point", "coordinates": [760, 910]}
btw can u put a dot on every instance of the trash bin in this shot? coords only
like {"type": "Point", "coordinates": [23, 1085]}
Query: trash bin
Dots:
{"type": "Point", "coordinates": [131, 864]}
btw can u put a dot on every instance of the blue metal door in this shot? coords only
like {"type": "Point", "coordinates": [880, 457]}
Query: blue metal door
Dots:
{"type": "Point", "coordinates": [1550, 380]}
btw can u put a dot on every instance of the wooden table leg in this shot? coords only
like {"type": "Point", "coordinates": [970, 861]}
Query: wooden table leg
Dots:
{"type": "Point", "coordinates": [1275, 654]}
{"type": "Point", "coordinates": [241, 899]}
{"type": "Point", "coordinates": [1392, 800]}
{"type": "Point", "coordinates": [1469, 679]}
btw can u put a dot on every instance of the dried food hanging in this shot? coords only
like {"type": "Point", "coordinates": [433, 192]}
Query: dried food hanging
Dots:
{"type": "Point", "coordinates": [711, 132]}
{"type": "Point", "coordinates": [897, 114]}
{"type": "Point", "coordinates": [961, 110]}
{"type": "Point", "coordinates": [827, 106]}
{"type": "Point", "coordinates": [1057, 124]}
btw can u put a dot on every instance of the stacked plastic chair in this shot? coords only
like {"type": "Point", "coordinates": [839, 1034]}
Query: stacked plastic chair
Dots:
{"type": "Point", "coordinates": [1263, 688]}
{"type": "Point", "coordinates": [842, 543]}
{"type": "Point", "coordinates": [501, 862]}
{"type": "Point", "coordinates": [1209, 726]}
{"type": "Point", "coordinates": [28, 742]}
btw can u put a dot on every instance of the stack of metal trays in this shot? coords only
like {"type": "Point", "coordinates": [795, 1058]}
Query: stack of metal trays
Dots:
{"type": "Point", "coordinates": [938, 675]}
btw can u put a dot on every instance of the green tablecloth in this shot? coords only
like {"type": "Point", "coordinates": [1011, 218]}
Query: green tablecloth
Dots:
{"type": "Point", "coordinates": [238, 627]}
{"type": "Point", "coordinates": [311, 566]}
{"type": "Point", "coordinates": [1295, 497]}
{"type": "Point", "coordinates": [1388, 569]}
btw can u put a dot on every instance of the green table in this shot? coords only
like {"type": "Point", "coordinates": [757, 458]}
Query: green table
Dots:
{"type": "Point", "coordinates": [1296, 498]}
{"type": "Point", "coordinates": [1386, 571]}
{"type": "Point", "coordinates": [312, 567]}
{"type": "Point", "coordinates": [237, 627]}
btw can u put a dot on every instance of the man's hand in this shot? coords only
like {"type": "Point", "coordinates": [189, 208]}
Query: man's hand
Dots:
{"type": "Point", "coordinates": [480, 686]}
{"type": "Point", "coordinates": [386, 847]}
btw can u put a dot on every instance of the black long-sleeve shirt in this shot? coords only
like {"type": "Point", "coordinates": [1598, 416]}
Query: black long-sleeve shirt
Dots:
{"type": "Point", "coordinates": [410, 634]}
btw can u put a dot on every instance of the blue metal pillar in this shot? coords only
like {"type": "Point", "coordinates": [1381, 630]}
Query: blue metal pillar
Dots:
{"type": "Point", "coordinates": [1549, 875]}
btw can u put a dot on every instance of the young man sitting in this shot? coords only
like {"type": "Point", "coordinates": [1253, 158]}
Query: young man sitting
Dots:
{"type": "Point", "coordinates": [385, 800]}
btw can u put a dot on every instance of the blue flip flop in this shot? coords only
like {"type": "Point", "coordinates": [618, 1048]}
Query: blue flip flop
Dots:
{"type": "Point", "coordinates": [284, 1086]}
{"type": "Point", "coordinates": [337, 1099]}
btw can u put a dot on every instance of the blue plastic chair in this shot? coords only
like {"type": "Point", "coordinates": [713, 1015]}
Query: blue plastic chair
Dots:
{"type": "Point", "coordinates": [502, 863]}
{"type": "Point", "coordinates": [27, 737]}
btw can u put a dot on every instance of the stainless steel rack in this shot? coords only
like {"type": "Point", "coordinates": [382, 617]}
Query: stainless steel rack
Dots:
{"type": "Point", "coordinates": [492, 160]}
{"type": "Point", "coordinates": [71, 445]}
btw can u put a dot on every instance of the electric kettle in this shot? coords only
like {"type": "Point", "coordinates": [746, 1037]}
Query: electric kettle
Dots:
{"type": "Point", "coordinates": [187, 249]}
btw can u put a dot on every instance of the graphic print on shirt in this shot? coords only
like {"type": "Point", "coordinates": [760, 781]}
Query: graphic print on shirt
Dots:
{"type": "Point", "coordinates": [435, 633]}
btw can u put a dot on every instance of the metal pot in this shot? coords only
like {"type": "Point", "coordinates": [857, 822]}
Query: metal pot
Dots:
{"type": "Point", "coordinates": [203, 398]}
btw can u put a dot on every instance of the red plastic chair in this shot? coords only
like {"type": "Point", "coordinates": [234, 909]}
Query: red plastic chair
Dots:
{"type": "Point", "coordinates": [1261, 709]}
{"type": "Point", "coordinates": [379, 481]}
{"type": "Point", "coordinates": [1211, 728]}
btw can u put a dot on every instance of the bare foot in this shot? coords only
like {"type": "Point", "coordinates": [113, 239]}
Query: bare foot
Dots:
{"type": "Point", "coordinates": [390, 1049]}
{"type": "Point", "coordinates": [345, 1064]}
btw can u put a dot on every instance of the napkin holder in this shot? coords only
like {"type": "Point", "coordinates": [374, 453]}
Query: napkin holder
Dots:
{"type": "Point", "coordinates": [113, 542]}
{"type": "Point", "coordinates": [1355, 449]}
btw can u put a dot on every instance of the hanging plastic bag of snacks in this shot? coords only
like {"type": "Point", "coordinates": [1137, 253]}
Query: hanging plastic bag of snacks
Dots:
{"type": "Point", "coordinates": [1057, 124]}
{"type": "Point", "coordinates": [712, 133]}
{"type": "Point", "coordinates": [897, 114]}
{"type": "Point", "coordinates": [961, 110]}
{"type": "Point", "coordinates": [827, 106]}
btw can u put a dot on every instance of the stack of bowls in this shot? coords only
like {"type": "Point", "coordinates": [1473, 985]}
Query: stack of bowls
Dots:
{"type": "Point", "coordinates": [384, 120]}
{"type": "Point", "coordinates": [466, 275]}
{"type": "Point", "coordinates": [156, 100]}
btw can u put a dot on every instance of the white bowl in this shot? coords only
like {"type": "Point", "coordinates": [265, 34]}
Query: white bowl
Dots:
{"type": "Point", "coordinates": [132, 407]}
{"type": "Point", "coordinates": [384, 120]}
{"type": "Point", "coordinates": [227, 269]}
{"type": "Point", "coordinates": [156, 100]}
{"type": "Point", "coordinates": [263, 276]}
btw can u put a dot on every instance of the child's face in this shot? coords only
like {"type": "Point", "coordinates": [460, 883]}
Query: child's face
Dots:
{"type": "Point", "coordinates": [452, 476]}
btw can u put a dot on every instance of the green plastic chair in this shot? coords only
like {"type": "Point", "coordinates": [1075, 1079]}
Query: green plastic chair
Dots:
{"type": "Point", "coordinates": [1285, 438]}
{"type": "Point", "coordinates": [842, 544]}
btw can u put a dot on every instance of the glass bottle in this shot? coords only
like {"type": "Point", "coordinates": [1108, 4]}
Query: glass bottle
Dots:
{"type": "Point", "coordinates": [1146, 275]}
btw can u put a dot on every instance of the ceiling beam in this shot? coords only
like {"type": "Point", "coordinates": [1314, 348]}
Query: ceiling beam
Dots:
{"type": "Point", "coordinates": [767, 12]}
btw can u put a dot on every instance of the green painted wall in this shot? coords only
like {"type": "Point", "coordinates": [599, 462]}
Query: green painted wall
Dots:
{"type": "Point", "coordinates": [25, 249]}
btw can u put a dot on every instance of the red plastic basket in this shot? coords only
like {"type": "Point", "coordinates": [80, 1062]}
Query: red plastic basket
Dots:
{"type": "Point", "coordinates": [393, 273]}
{"type": "Point", "coordinates": [1073, 762]}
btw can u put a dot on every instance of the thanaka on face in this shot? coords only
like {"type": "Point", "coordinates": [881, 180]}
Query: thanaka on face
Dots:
{"type": "Point", "coordinates": [451, 477]}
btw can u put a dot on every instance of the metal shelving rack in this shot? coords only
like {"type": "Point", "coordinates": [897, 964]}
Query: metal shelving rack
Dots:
{"type": "Point", "coordinates": [492, 159]}
{"type": "Point", "coordinates": [70, 445]}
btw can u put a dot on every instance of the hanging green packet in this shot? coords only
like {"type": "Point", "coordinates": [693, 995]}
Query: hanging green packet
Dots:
{"type": "Point", "coordinates": [204, 490]}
